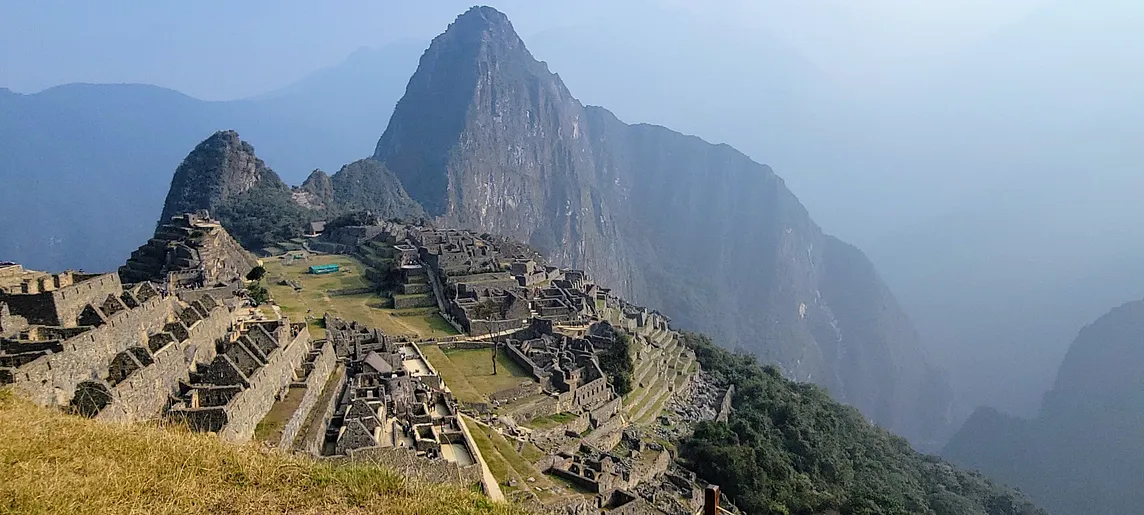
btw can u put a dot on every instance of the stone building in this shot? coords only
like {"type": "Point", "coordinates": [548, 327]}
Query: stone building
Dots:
{"type": "Point", "coordinates": [238, 386]}
{"type": "Point", "coordinates": [189, 251]}
{"type": "Point", "coordinates": [84, 341]}
{"type": "Point", "coordinates": [393, 399]}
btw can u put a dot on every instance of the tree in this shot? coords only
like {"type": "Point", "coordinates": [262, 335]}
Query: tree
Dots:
{"type": "Point", "coordinates": [256, 273]}
{"type": "Point", "coordinates": [259, 295]}
{"type": "Point", "coordinates": [616, 363]}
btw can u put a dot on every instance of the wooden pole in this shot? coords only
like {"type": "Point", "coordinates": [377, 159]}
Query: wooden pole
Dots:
{"type": "Point", "coordinates": [711, 500]}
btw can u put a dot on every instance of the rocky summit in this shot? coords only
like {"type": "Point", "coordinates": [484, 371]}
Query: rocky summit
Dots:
{"type": "Point", "coordinates": [487, 138]}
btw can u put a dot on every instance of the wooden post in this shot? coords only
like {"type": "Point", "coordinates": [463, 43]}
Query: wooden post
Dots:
{"type": "Point", "coordinates": [711, 500]}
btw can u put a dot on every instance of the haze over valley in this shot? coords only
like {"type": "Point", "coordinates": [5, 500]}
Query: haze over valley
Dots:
{"type": "Point", "coordinates": [916, 207]}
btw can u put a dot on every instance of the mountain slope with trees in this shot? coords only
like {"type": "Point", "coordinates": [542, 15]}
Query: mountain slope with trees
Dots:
{"type": "Point", "coordinates": [487, 138]}
{"type": "Point", "coordinates": [788, 448]}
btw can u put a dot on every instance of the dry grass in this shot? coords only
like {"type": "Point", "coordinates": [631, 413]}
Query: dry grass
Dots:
{"type": "Point", "coordinates": [55, 463]}
{"type": "Point", "coordinates": [366, 308]}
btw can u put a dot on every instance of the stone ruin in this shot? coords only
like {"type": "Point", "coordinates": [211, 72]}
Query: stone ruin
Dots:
{"type": "Point", "coordinates": [86, 342]}
{"type": "Point", "coordinates": [233, 390]}
{"type": "Point", "coordinates": [393, 401]}
{"type": "Point", "coordinates": [189, 251]}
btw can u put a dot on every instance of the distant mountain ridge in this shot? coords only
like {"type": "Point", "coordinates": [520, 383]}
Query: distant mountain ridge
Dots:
{"type": "Point", "coordinates": [106, 150]}
{"type": "Point", "coordinates": [223, 176]}
{"type": "Point", "coordinates": [487, 138]}
{"type": "Point", "coordinates": [1084, 452]}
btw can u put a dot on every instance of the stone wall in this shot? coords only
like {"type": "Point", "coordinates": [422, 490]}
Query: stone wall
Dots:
{"type": "Point", "coordinates": [558, 436]}
{"type": "Point", "coordinates": [515, 392]}
{"type": "Point", "coordinates": [419, 301]}
{"type": "Point", "coordinates": [725, 405]}
{"type": "Point", "coordinates": [607, 435]}
{"type": "Point", "coordinates": [592, 393]}
{"type": "Point", "coordinates": [537, 410]}
{"type": "Point", "coordinates": [479, 328]}
{"type": "Point", "coordinates": [412, 467]}
{"type": "Point", "coordinates": [315, 435]}
{"type": "Point", "coordinates": [51, 379]}
{"type": "Point", "coordinates": [466, 345]}
{"type": "Point", "coordinates": [144, 393]}
{"type": "Point", "coordinates": [71, 300]}
{"type": "Point", "coordinates": [607, 411]}
{"type": "Point", "coordinates": [350, 291]}
{"type": "Point", "coordinates": [327, 360]}
{"type": "Point", "coordinates": [251, 405]}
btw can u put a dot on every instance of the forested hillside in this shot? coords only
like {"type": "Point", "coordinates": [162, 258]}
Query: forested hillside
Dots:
{"type": "Point", "coordinates": [788, 448]}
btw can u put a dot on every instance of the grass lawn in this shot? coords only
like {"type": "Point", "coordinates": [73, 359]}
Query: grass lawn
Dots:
{"type": "Point", "coordinates": [509, 463]}
{"type": "Point", "coordinates": [550, 420]}
{"type": "Point", "coordinates": [477, 366]}
{"type": "Point", "coordinates": [452, 375]}
{"type": "Point", "coordinates": [366, 308]}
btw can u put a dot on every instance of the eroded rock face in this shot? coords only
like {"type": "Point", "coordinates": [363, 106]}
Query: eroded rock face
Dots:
{"type": "Point", "coordinates": [218, 169]}
{"type": "Point", "coordinates": [487, 138]}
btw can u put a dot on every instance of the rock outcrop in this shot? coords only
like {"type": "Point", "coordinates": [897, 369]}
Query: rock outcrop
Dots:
{"type": "Point", "coordinates": [487, 138]}
{"type": "Point", "coordinates": [1084, 452]}
{"type": "Point", "coordinates": [219, 169]}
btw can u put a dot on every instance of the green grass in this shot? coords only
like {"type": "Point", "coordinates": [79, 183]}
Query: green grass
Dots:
{"type": "Point", "coordinates": [510, 464]}
{"type": "Point", "coordinates": [366, 308]}
{"type": "Point", "coordinates": [477, 367]}
{"type": "Point", "coordinates": [454, 378]}
{"type": "Point", "coordinates": [550, 420]}
{"type": "Point", "coordinates": [532, 453]}
{"type": "Point", "coordinates": [57, 463]}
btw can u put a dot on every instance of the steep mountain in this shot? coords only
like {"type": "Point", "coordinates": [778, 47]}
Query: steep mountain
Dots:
{"type": "Point", "coordinates": [222, 175]}
{"type": "Point", "coordinates": [91, 161]}
{"type": "Point", "coordinates": [316, 192]}
{"type": "Point", "coordinates": [1084, 451]}
{"type": "Point", "coordinates": [486, 137]}
{"type": "Point", "coordinates": [366, 184]}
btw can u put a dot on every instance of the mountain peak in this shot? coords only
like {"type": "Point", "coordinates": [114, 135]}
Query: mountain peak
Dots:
{"type": "Point", "coordinates": [219, 168]}
{"type": "Point", "coordinates": [477, 71]}
{"type": "Point", "coordinates": [482, 19]}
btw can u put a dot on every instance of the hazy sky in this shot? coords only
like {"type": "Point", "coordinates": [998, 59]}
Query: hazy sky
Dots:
{"type": "Point", "coordinates": [985, 153]}
{"type": "Point", "coordinates": [224, 50]}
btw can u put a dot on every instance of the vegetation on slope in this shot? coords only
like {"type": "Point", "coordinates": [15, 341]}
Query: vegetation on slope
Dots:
{"type": "Point", "coordinates": [788, 448]}
{"type": "Point", "coordinates": [56, 463]}
{"type": "Point", "coordinates": [616, 362]}
{"type": "Point", "coordinates": [263, 215]}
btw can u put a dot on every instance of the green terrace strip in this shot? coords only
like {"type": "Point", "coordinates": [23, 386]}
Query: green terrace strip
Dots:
{"type": "Point", "coordinates": [56, 463]}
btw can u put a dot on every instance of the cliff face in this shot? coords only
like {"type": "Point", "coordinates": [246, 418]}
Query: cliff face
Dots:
{"type": "Point", "coordinates": [487, 138]}
{"type": "Point", "coordinates": [218, 169]}
{"type": "Point", "coordinates": [222, 175]}
{"type": "Point", "coordinates": [1084, 452]}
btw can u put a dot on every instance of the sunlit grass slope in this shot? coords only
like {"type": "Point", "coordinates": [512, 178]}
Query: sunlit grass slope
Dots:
{"type": "Point", "coordinates": [56, 463]}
